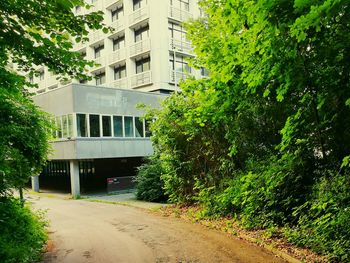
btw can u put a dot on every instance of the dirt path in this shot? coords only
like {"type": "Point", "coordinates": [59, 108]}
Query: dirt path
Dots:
{"type": "Point", "coordinates": [83, 231]}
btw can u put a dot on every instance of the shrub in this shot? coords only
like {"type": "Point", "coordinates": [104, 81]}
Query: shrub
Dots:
{"type": "Point", "coordinates": [324, 224]}
{"type": "Point", "coordinates": [149, 185]}
{"type": "Point", "coordinates": [22, 232]}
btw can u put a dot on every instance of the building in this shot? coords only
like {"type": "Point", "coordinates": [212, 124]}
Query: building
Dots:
{"type": "Point", "coordinates": [101, 134]}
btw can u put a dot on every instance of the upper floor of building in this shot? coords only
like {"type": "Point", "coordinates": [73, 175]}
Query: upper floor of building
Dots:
{"type": "Point", "coordinates": [147, 50]}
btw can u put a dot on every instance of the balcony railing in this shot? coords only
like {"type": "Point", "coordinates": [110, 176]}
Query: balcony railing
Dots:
{"type": "Point", "coordinates": [140, 47]}
{"type": "Point", "coordinates": [179, 14]}
{"type": "Point", "coordinates": [78, 46]}
{"type": "Point", "coordinates": [116, 56]}
{"type": "Point", "coordinates": [95, 36]}
{"type": "Point", "coordinates": [107, 3]}
{"type": "Point", "coordinates": [101, 61]}
{"type": "Point", "coordinates": [51, 81]}
{"type": "Point", "coordinates": [177, 76]}
{"type": "Point", "coordinates": [42, 84]}
{"type": "Point", "coordinates": [181, 46]}
{"type": "Point", "coordinates": [117, 24]}
{"type": "Point", "coordinates": [139, 15]}
{"type": "Point", "coordinates": [120, 83]}
{"type": "Point", "coordinates": [97, 6]}
{"type": "Point", "coordinates": [141, 79]}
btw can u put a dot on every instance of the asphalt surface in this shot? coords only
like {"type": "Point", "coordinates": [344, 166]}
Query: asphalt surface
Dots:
{"type": "Point", "coordinates": [82, 231]}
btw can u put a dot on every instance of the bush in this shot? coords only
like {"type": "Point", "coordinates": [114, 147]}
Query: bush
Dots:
{"type": "Point", "coordinates": [149, 186]}
{"type": "Point", "coordinates": [22, 232]}
{"type": "Point", "coordinates": [324, 224]}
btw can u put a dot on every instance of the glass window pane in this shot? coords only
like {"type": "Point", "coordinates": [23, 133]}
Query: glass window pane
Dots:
{"type": "Point", "coordinates": [106, 126]}
{"type": "Point", "coordinates": [81, 125]}
{"type": "Point", "coordinates": [129, 127]}
{"type": "Point", "coordinates": [94, 125]}
{"type": "Point", "coordinates": [58, 127]}
{"type": "Point", "coordinates": [138, 127]}
{"type": "Point", "coordinates": [147, 130]}
{"type": "Point", "coordinates": [70, 125]}
{"type": "Point", "coordinates": [118, 126]}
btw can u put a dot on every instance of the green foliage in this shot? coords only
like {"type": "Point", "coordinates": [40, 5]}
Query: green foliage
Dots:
{"type": "Point", "coordinates": [149, 186]}
{"type": "Point", "coordinates": [34, 33]}
{"type": "Point", "coordinates": [22, 233]}
{"type": "Point", "coordinates": [24, 130]}
{"type": "Point", "coordinates": [264, 135]}
{"type": "Point", "coordinates": [324, 221]}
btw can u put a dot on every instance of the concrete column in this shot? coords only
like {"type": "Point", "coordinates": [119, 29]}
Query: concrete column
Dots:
{"type": "Point", "coordinates": [74, 178]}
{"type": "Point", "coordinates": [35, 183]}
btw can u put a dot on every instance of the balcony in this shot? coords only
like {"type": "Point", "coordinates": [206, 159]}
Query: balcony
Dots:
{"type": "Point", "coordinates": [177, 76]}
{"type": "Point", "coordinates": [96, 6]}
{"type": "Point", "coordinates": [101, 61]}
{"type": "Point", "coordinates": [96, 36]}
{"type": "Point", "coordinates": [118, 24]}
{"type": "Point", "coordinates": [117, 56]}
{"type": "Point", "coordinates": [51, 81]}
{"type": "Point", "coordinates": [141, 79]}
{"type": "Point", "coordinates": [179, 14]}
{"type": "Point", "coordinates": [181, 46]}
{"type": "Point", "coordinates": [78, 46]}
{"type": "Point", "coordinates": [140, 47]}
{"type": "Point", "coordinates": [108, 3]}
{"type": "Point", "coordinates": [42, 85]}
{"type": "Point", "coordinates": [139, 15]}
{"type": "Point", "coordinates": [120, 83]}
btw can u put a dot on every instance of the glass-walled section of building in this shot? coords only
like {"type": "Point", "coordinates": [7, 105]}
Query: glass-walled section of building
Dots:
{"type": "Point", "coordinates": [100, 126]}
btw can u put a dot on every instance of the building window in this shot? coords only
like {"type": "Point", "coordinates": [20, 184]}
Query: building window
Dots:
{"type": "Point", "coordinates": [143, 65]}
{"type": "Point", "coordinates": [94, 121]}
{"type": "Point", "coordinates": [119, 72]}
{"type": "Point", "coordinates": [141, 33]}
{"type": "Point", "coordinates": [82, 81]}
{"type": "Point", "coordinates": [139, 127]}
{"type": "Point", "coordinates": [98, 51]}
{"type": "Point", "coordinates": [100, 78]}
{"type": "Point", "coordinates": [117, 13]}
{"type": "Point", "coordinates": [177, 32]}
{"type": "Point", "coordinates": [129, 127]}
{"type": "Point", "coordinates": [41, 75]}
{"type": "Point", "coordinates": [58, 127]}
{"type": "Point", "coordinates": [106, 126]}
{"type": "Point", "coordinates": [118, 126]}
{"type": "Point", "coordinates": [181, 4]}
{"type": "Point", "coordinates": [204, 72]}
{"type": "Point", "coordinates": [180, 65]}
{"type": "Point", "coordinates": [147, 129]}
{"type": "Point", "coordinates": [118, 43]}
{"type": "Point", "coordinates": [137, 4]}
{"type": "Point", "coordinates": [82, 125]}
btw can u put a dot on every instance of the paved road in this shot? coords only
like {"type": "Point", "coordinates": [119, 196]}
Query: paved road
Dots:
{"type": "Point", "coordinates": [83, 231]}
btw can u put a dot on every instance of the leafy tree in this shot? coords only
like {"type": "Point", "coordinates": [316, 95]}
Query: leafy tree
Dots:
{"type": "Point", "coordinates": [277, 106]}
{"type": "Point", "coordinates": [34, 33]}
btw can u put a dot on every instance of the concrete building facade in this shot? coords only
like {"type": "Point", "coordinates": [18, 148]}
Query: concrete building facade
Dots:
{"type": "Point", "coordinates": [100, 131]}
{"type": "Point", "coordinates": [147, 51]}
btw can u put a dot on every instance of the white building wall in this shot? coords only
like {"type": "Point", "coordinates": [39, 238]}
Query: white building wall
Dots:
{"type": "Point", "coordinates": [155, 13]}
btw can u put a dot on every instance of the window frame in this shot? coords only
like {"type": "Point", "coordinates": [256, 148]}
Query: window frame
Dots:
{"type": "Point", "coordinates": [98, 50]}
{"type": "Point", "coordinates": [142, 62]}
{"type": "Point", "coordinates": [118, 70]}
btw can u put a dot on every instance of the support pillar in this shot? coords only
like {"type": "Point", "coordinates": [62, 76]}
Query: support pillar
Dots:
{"type": "Point", "coordinates": [35, 183]}
{"type": "Point", "coordinates": [74, 178]}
